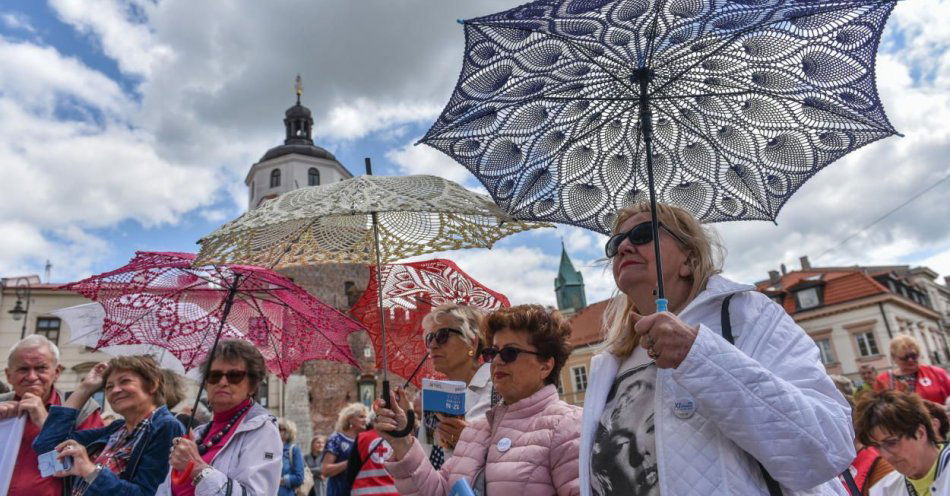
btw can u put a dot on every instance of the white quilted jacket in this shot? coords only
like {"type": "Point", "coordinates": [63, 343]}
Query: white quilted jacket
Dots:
{"type": "Point", "coordinates": [769, 398]}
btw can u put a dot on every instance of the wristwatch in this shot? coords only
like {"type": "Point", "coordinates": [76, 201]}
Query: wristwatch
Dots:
{"type": "Point", "coordinates": [201, 475]}
{"type": "Point", "coordinates": [91, 476]}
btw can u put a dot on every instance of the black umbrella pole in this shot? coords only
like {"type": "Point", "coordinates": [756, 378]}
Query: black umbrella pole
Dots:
{"type": "Point", "coordinates": [228, 303]}
{"type": "Point", "coordinates": [379, 296]}
{"type": "Point", "coordinates": [646, 127]}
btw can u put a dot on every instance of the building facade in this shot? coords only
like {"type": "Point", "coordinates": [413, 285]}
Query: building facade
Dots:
{"type": "Point", "coordinates": [852, 313]}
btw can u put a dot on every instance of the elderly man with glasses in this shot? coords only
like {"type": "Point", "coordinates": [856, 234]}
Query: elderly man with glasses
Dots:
{"type": "Point", "coordinates": [32, 370]}
{"type": "Point", "coordinates": [931, 383]}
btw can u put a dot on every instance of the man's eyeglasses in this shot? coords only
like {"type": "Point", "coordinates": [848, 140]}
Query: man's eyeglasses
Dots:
{"type": "Point", "coordinates": [507, 354]}
{"type": "Point", "coordinates": [641, 234]}
{"type": "Point", "coordinates": [909, 357]}
{"type": "Point", "coordinates": [441, 336]}
{"type": "Point", "coordinates": [234, 376]}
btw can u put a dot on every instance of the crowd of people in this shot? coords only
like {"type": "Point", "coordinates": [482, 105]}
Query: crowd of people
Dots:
{"type": "Point", "coordinates": [723, 394]}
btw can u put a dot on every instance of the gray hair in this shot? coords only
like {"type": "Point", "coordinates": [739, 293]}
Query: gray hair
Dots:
{"type": "Point", "coordinates": [34, 341]}
{"type": "Point", "coordinates": [466, 318]}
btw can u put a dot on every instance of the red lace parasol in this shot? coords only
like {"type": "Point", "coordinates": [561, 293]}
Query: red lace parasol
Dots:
{"type": "Point", "coordinates": [410, 291]}
{"type": "Point", "coordinates": [160, 299]}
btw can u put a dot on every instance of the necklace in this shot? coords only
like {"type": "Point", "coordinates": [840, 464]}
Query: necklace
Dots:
{"type": "Point", "coordinates": [204, 446]}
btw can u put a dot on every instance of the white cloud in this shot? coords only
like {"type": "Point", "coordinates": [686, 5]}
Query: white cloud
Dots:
{"type": "Point", "coordinates": [364, 116]}
{"type": "Point", "coordinates": [17, 21]}
{"type": "Point", "coordinates": [422, 159]}
{"type": "Point", "coordinates": [129, 42]}
{"type": "Point", "coordinates": [42, 79]}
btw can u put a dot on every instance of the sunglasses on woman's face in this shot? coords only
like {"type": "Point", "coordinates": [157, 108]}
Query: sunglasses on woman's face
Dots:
{"type": "Point", "coordinates": [641, 234]}
{"type": "Point", "coordinates": [507, 354]}
{"type": "Point", "coordinates": [909, 357]}
{"type": "Point", "coordinates": [234, 376]}
{"type": "Point", "coordinates": [441, 336]}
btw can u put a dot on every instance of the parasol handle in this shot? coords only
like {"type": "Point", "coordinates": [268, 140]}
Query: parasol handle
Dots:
{"type": "Point", "coordinates": [410, 424]}
{"type": "Point", "coordinates": [662, 304]}
{"type": "Point", "coordinates": [386, 392]}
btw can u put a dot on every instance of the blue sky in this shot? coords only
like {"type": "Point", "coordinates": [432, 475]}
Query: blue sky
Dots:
{"type": "Point", "coordinates": [130, 124]}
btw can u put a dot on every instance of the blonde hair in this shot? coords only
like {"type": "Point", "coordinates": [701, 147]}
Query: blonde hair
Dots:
{"type": "Point", "coordinates": [704, 255]}
{"type": "Point", "coordinates": [348, 412]}
{"type": "Point", "coordinates": [467, 319]}
{"type": "Point", "coordinates": [289, 427]}
{"type": "Point", "coordinates": [904, 342]}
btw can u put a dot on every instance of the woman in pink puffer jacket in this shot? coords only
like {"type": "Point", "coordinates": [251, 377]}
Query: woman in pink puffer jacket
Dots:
{"type": "Point", "coordinates": [527, 446]}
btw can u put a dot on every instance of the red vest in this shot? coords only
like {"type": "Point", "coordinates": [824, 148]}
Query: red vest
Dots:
{"type": "Point", "coordinates": [373, 479]}
{"type": "Point", "coordinates": [932, 383]}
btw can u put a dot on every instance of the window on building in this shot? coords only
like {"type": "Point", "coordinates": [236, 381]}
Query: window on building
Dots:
{"type": "Point", "coordinates": [867, 345]}
{"type": "Point", "coordinates": [49, 327]}
{"type": "Point", "coordinates": [263, 391]}
{"type": "Point", "coordinates": [313, 177]}
{"type": "Point", "coordinates": [807, 298]}
{"type": "Point", "coordinates": [579, 378]}
{"type": "Point", "coordinates": [252, 189]}
{"type": "Point", "coordinates": [275, 178]}
{"type": "Point", "coordinates": [824, 349]}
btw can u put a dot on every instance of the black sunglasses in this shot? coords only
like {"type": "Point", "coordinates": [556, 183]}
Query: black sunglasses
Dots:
{"type": "Point", "coordinates": [910, 356]}
{"type": "Point", "coordinates": [641, 234]}
{"type": "Point", "coordinates": [234, 376]}
{"type": "Point", "coordinates": [441, 336]}
{"type": "Point", "coordinates": [507, 354]}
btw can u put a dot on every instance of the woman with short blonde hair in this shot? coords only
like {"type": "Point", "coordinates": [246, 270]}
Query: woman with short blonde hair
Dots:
{"type": "Point", "coordinates": [931, 383]}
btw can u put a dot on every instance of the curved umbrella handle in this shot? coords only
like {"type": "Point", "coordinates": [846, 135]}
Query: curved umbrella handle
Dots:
{"type": "Point", "coordinates": [410, 425]}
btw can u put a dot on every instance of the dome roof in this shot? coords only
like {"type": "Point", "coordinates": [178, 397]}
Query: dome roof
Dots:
{"type": "Point", "coordinates": [297, 112]}
{"type": "Point", "coordinates": [300, 149]}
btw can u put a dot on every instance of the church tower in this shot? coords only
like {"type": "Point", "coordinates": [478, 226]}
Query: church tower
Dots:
{"type": "Point", "coordinates": [569, 285]}
{"type": "Point", "coordinates": [295, 164]}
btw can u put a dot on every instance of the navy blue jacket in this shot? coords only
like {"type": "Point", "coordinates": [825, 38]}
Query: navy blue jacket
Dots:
{"type": "Point", "coordinates": [145, 470]}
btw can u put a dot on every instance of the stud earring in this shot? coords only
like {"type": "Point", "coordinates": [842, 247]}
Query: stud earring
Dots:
{"type": "Point", "coordinates": [471, 353]}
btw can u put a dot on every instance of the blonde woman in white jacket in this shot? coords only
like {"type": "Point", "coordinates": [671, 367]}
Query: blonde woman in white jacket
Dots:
{"type": "Point", "coordinates": [674, 408]}
{"type": "Point", "coordinates": [239, 453]}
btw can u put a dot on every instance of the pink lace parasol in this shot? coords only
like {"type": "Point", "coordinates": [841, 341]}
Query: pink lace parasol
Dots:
{"type": "Point", "coordinates": [160, 299]}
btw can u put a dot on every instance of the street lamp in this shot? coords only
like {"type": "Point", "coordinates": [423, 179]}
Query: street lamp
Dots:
{"type": "Point", "coordinates": [23, 291]}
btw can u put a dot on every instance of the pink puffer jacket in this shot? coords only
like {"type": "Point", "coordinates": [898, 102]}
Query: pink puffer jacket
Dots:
{"type": "Point", "coordinates": [532, 451]}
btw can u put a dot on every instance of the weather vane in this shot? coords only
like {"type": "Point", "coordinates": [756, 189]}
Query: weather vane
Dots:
{"type": "Point", "coordinates": [299, 88]}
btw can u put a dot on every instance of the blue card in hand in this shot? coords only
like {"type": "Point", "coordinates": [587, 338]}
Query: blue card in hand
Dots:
{"type": "Point", "coordinates": [49, 465]}
{"type": "Point", "coordinates": [461, 488]}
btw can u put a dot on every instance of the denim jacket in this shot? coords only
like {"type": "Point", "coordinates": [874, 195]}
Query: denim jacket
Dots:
{"type": "Point", "coordinates": [147, 466]}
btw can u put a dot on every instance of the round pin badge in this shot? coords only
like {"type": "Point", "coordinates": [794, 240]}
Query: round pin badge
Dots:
{"type": "Point", "coordinates": [504, 444]}
{"type": "Point", "coordinates": [684, 408]}
{"type": "Point", "coordinates": [925, 381]}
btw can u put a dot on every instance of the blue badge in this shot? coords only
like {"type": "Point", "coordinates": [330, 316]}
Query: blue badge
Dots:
{"type": "Point", "coordinates": [684, 408]}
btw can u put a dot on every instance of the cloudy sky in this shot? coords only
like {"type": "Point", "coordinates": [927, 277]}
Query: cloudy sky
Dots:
{"type": "Point", "coordinates": [128, 125]}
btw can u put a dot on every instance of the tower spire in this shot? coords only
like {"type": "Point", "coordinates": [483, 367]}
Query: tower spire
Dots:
{"type": "Point", "coordinates": [299, 87]}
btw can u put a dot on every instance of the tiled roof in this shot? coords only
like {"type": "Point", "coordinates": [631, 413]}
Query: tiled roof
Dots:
{"type": "Point", "coordinates": [587, 324]}
{"type": "Point", "coordinates": [840, 285]}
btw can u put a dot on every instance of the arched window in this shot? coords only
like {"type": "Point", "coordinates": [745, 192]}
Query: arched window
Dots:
{"type": "Point", "coordinates": [275, 178]}
{"type": "Point", "coordinates": [313, 177]}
